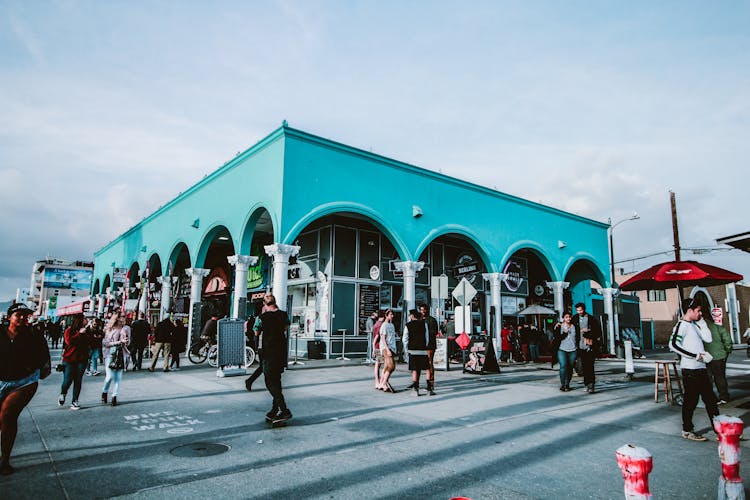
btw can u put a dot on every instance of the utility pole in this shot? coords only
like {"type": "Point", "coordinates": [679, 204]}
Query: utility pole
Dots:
{"type": "Point", "coordinates": [676, 237]}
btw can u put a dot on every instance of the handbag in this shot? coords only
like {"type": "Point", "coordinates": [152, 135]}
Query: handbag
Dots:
{"type": "Point", "coordinates": [117, 362]}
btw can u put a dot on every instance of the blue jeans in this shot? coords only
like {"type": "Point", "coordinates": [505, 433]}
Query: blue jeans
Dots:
{"type": "Point", "coordinates": [534, 351]}
{"type": "Point", "coordinates": [111, 376]}
{"type": "Point", "coordinates": [566, 360]}
{"type": "Point", "coordinates": [94, 358]}
{"type": "Point", "coordinates": [73, 374]}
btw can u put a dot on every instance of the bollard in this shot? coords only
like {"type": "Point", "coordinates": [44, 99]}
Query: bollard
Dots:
{"type": "Point", "coordinates": [729, 430]}
{"type": "Point", "coordinates": [636, 464]}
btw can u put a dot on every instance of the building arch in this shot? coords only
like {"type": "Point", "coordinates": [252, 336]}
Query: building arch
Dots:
{"type": "Point", "coordinates": [342, 208]}
{"type": "Point", "coordinates": [251, 222]}
{"type": "Point", "coordinates": [106, 283]}
{"type": "Point", "coordinates": [216, 231]}
{"type": "Point", "coordinates": [537, 250]}
{"type": "Point", "coordinates": [95, 288]}
{"type": "Point", "coordinates": [176, 256]}
{"type": "Point", "coordinates": [463, 233]}
{"type": "Point", "coordinates": [583, 266]}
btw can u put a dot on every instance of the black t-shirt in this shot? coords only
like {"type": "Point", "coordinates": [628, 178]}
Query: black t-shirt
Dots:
{"type": "Point", "coordinates": [273, 325]}
{"type": "Point", "coordinates": [21, 356]}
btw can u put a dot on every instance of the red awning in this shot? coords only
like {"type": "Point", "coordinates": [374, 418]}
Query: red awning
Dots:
{"type": "Point", "coordinates": [80, 307]}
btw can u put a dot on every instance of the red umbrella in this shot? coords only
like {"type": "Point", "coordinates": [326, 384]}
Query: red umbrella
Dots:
{"type": "Point", "coordinates": [679, 273]}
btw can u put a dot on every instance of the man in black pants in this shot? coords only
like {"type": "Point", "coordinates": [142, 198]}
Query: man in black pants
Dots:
{"type": "Point", "coordinates": [273, 325]}
{"type": "Point", "coordinates": [258, 348]}
{"type": "Point", "coordinates": [432, 330]}
{"type": "Point", "coordinates": [588, 346]}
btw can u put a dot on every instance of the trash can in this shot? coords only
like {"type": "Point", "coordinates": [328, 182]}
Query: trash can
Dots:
{"type": "Point", "coordinates": [315, 349]}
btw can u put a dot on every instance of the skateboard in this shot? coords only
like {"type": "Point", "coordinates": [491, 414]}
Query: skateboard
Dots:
{"type": "Point", "coordinates": [278, 422]}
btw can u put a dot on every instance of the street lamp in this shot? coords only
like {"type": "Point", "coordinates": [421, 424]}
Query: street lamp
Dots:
{"type": "Point", "coordinates": [614, 329]}
{"type": "Point", "coordinates": [612, 227]}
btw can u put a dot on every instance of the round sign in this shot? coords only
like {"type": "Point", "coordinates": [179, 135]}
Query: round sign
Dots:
{"type": "Point", "coordinates": [514, 279]}
{"type": "Point", "coordinates": [539, 290]}
{"type": "Point", "coordinates": [375, 273]}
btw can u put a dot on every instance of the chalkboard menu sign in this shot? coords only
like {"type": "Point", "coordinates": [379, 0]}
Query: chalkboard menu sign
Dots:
{"type": "Point", "coordinates": [369, 300]}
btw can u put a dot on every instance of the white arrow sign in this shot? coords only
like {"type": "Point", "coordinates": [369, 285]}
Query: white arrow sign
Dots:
{"type": "Point", "coordinates": [464, 292]}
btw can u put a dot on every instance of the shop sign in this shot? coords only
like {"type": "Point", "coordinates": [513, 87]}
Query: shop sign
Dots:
{"type": "Point", "coordinates": [516, 280]}
{"type": "Point", "coordinates": [466, 267]}
{"type": "Point", "coordinates": [392, 268]}
{"type": "Point", "coordinates": [375, 273]}
{"type": "Point", "coordinates": [717, 314]}
{"type": "Point", "coordinates": [119, 274]}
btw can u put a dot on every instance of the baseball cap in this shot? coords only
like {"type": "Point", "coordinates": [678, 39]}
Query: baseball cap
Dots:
{"type": "Point", "coordinates": [19, 307]}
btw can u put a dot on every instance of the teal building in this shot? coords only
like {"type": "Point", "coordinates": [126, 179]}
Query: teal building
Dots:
{"type": "Point", "coordinates": [336, 232]}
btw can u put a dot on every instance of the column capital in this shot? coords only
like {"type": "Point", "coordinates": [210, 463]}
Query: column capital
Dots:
{"type": "Point", "coordinates": [281, 252]}
{"type": "Point", "coordinates": [165, 280]}
{"type": "Point", "coordinates": [197, 272]}
{"type": "Point", "coordinates": [409, 267]}
{"type": "Point", "coordinates": [557, 285]}
{"type": "Point", "coordinates": [608, 293]}
{"type": "Point", "coordinates": [242, 262]}
{"type": "Point", "coordinates": [494, 278]}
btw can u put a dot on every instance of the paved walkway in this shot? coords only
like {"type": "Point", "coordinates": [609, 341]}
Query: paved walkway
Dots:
{"type": "Point", "coordinates": [512, 435]}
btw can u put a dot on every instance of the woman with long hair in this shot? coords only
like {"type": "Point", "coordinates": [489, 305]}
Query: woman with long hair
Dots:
{"type": "Point", "coordinates": [75, 357]}
{"type": "Point", "coordinates": [565, 343]}
{"type": "Point", "coordinates": [388, 350]}
{"type": "Point", "coordinates": [116, 355]}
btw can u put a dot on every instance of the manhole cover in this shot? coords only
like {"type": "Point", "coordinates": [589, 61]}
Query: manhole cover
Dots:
{"type": "Point", "coordinates": [200, 450]}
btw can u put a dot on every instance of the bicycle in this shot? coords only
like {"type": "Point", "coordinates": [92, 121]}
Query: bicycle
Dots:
{"type": "Point", "coordinates": [203, 349]}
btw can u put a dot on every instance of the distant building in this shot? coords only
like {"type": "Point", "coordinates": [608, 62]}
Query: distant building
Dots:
{"type": "Point", "coordinates": [58, 282]}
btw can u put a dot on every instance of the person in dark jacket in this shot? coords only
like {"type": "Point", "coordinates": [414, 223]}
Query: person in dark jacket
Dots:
{"type": "Point", "coordinates": [75, 357]}
{"type": "Point", "coordinates": [418, 338]}
{"type": "Point", "coordinates": [432, 330]}
{"type": "Point", "coordinates": [139, 330]}
{"type": "Point", "coordinates": [22, 357]}
{"type": "Point", "coordinates": [273, 327]}
{"type": "Point", "coordinates": [96, 334]}
{"type": "Point", "coordinates": [179, 342]}
{"type": "Point", "coordinates": [590, 339]}
{"type": "Point", "coordinates": [163, 341]}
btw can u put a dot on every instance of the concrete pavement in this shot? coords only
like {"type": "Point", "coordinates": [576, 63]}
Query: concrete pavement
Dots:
{"type": "Point", "coordinates": [512, 435]}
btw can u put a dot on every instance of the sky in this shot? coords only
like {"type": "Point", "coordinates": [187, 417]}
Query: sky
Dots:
{"type": "Point", "coordinates": [110, 109]}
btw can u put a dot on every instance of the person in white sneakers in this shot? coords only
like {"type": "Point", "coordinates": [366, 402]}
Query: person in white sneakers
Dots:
{"type": "Point", "coordinates": [687, 340]}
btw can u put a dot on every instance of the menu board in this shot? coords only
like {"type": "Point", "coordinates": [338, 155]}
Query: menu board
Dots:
{"type": "Point", "coordinates": [369, 300]}
{"type": "Point", "coordinates": [440, 360]}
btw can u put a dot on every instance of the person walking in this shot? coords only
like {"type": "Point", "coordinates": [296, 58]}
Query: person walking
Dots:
{"type": "Point", "coordinates": [274, 324]}
{"type": "Point", "coordinates": [376, 347]}
{"type": "Point", "coordinates": [24, 360]}
{"type": "Point", "coordinates": [96, 334]}
{"type": "Point", "coordinates": [179, 342]}
{"type": "Point", "coordinates": [258, 341]}
{"type": "Point", "coordinates": [387, 351]}
{"type": "Point", "coordinates": [432, 330]}
{"type": "Point", "coordinates": [75, 356]}
{"type": "Point", "coordinates": [687, 340]}
{"type": "Point", "coordinates": [163, 342]}
{"type": "Point", "coordinates": [115, 344]}
{"type": "Point", "coordinates": [590, 339]}
{"type": "Point", "coordinates": [719, 348]}
{"type": "Point", "coordinates": [140, 330]}
{"type": "Point", "coordinates": [55, 332]}
{"type": "Point", "coordinates": [564, 347]}
{"type": "Point", "coordinates": [534, 343]}
{"type": "Point", "coordinates": [417, 339]}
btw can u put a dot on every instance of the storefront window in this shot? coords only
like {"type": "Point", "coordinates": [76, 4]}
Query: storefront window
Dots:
{"type": "Point", "coordinates": [369, 253]}
{"type": "Point", "coordinates": [345, 251]}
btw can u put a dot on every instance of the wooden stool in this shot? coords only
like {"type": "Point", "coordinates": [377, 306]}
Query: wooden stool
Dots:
{"type": "Point", "coordinates": [663, 375]}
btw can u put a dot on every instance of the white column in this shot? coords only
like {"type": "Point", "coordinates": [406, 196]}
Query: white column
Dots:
{"type": "Point", "coordinates": [143, 299]}
{"type": "Point", "coordinates": [280, 254]}
{"type": "Point", "coordinates": [196, 275]}
{"type": "Point", "coordinates": [410, 268]}
{"type": "Point", "coordinates": [557, 288]}
{"type": "Point", "coordinates": [241, 265]}
{"type": "Point", "coordinates": [495, 280]}
{"type": "Point", "coordinates": [609, 294]}
{"type": "Point", "coordinates": [166, 296]}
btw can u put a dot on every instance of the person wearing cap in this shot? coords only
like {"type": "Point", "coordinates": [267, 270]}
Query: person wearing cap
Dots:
{"type": "Point", "coordinates": [24, 359]}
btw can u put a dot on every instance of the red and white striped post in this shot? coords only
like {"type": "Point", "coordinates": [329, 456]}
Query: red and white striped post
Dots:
{"type": "Point", "coordinates": [636, 464]}
{"type": "Point", "coordinates": [729, 430]}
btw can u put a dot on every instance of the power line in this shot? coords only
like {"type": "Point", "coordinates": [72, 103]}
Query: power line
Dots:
{"type": "Point", "coordinates": [694, 251]}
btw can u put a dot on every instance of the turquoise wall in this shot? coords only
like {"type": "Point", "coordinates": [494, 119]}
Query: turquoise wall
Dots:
{"type": "Point", "coordinates": [298, 178]}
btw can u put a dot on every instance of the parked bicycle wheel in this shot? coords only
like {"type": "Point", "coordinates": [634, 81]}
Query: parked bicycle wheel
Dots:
{"type": "Point", "coordinates": [197, 353]}
{"type": "Point", "coordinates": [213, 356]}
{"type": "Point", "coordinates": [249, 356]}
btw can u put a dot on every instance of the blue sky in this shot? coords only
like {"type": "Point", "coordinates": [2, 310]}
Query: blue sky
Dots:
{"type": "Point", "coordinates": [112, 108]}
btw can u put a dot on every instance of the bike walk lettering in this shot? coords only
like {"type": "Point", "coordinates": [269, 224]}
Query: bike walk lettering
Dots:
{"type": "Point", "coordinates": [159, 420]}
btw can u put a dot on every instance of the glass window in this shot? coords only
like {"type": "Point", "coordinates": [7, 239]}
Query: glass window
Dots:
{"type": "Point", "coordinates": [325, 251]}
{"type": "Point", "coordinates": [369, 252]}
{"type": "Point", "coordinates": [345, 251]}
{"type": "Point", "coordinates": [308, 243]}
{"type": "Point", "coordinates": [657, 296]}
